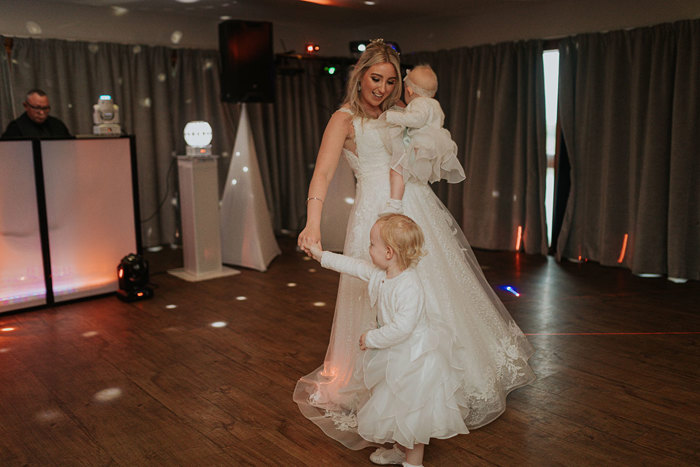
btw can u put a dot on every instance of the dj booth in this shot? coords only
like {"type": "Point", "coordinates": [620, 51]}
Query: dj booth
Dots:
{"type": "Point", "coordinates": [68, 214]}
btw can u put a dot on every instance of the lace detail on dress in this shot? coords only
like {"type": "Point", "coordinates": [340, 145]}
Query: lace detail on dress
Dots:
{"type": "Point", "coordinates": [510, 359]}
{"type": "Point", "coordinates": [342, 421]}
{"type": "Point", "coordinates": [315, 398]}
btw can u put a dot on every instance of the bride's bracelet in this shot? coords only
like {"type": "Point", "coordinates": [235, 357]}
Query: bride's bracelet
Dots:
{"type": "Point", "coordinates": [313, 197]}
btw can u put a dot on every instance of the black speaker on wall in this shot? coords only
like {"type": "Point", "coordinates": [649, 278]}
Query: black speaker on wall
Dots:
{"type": "Point", "coordinates": [247, 61]}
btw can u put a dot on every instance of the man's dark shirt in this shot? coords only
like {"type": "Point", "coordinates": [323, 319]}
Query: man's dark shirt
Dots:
{"type": "Point", "coordinates": [24, 127]}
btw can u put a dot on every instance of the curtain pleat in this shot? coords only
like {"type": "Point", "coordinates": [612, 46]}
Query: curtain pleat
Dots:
{"type": "Point", "coordinates": [493, 98]}
{"type": "Point", "coordinates": [290, 131]}
{"type": "Point", "coordinates": [684, 196]}
{"type": "Point", "coordinates": [629, 114]}
{"type": "Point", "coordinates": [7, 111]}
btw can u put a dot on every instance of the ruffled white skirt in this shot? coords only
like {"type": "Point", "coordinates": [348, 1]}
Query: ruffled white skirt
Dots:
{"type": "Point", "coordinates": [426, 156]}
{"type": "Point", "coordinates": [413, 392]}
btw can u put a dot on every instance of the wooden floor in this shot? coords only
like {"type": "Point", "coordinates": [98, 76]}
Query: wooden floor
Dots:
{"type": "Point", "coordinates": [101, 382]}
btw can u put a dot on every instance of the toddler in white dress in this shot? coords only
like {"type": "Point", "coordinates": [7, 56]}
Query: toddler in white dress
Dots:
{"type": "Point", "coordinates": [403, 365]}
{"type": "Point", "coordinates": [421, 149]}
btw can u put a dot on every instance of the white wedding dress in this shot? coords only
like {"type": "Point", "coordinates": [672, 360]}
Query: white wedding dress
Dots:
{"type": "Point", "coordinates": [487, 349]}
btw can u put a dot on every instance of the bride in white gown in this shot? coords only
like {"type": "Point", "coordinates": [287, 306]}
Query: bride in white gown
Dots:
{"type": "Point", "coordinates": [487, 349]}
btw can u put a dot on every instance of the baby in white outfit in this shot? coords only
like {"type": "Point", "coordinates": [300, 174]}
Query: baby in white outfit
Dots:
{"type": "Point", "coordinates": [421, 148]}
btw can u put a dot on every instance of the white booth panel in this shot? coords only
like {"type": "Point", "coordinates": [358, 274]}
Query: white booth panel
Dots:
{"type": "Point", "coordinates": [21, 267]}
{"type": "Point", "coordinates": [90, 213]}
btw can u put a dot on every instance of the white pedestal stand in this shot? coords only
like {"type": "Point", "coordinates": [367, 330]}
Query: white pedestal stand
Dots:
{"type": "Point", "coordinates": [199, 210]}
{"type": "Point", "coordinates": [247, 236]}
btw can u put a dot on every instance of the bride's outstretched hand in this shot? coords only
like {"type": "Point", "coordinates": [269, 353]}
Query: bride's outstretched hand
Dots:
{"type": "Point", "coordinates": [309, 237]}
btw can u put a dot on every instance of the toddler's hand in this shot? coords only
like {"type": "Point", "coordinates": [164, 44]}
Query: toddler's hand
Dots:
{"type": "Point", "coordinates": [315, 252]}
{"type": "Point", "coordinates": [362, 342]}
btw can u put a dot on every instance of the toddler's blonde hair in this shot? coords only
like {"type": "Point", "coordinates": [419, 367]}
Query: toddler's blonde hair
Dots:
{"type": "Point", "coordinates": [404, 236]}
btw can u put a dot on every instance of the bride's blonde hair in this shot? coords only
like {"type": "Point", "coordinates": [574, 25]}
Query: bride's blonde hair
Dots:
{"type": "Point", "coordinates": [404, 236]}
{"type": "Point", "coordinates": [376, 52]}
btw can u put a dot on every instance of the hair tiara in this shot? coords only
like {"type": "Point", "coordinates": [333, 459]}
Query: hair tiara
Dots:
{"type": "Point", "coordinates": [380, 43]}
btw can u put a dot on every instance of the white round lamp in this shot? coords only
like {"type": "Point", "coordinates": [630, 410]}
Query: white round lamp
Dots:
{"type": "Point", "coordinates": [198, 138]}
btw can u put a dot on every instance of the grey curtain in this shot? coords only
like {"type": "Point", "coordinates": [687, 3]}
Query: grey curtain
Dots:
{"type": "Point", "coordinates": [158, 90]}
{"type": "Point", "coordinates": [493, 98]}
{"type": "Point", "coordinates": [630, 111]}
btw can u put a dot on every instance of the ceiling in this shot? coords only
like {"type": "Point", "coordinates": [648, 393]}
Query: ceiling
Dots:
{"type": "Point", "coordinates": [417, 25]}
{"type": "Point", "coordinates": [289, 11]}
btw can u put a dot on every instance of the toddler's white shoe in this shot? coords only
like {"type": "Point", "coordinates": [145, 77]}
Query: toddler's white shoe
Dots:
{"type": "Point", "coordinates": [384, 456]}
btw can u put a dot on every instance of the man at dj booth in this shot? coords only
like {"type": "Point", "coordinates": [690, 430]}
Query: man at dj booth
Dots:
{"type": "Point", "coordinates": [36, 122]}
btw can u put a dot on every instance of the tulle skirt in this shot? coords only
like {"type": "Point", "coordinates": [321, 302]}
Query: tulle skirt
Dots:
{"type": "Point", "coordinates": [427, 156]}
{"type": "Point", "coordinates": [485, 350]}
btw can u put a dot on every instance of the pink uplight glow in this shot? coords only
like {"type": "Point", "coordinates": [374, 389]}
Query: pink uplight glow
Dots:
{"type": "Point", "coordinates": [319, 2]}
{"type": "Point", "coordinates": [519, 239]}
{"type": "Point", "coordinates": [329, 373]}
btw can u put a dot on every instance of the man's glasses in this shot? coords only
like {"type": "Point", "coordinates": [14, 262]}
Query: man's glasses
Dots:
{"type": "Point", "coordinates": [42, 108]}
